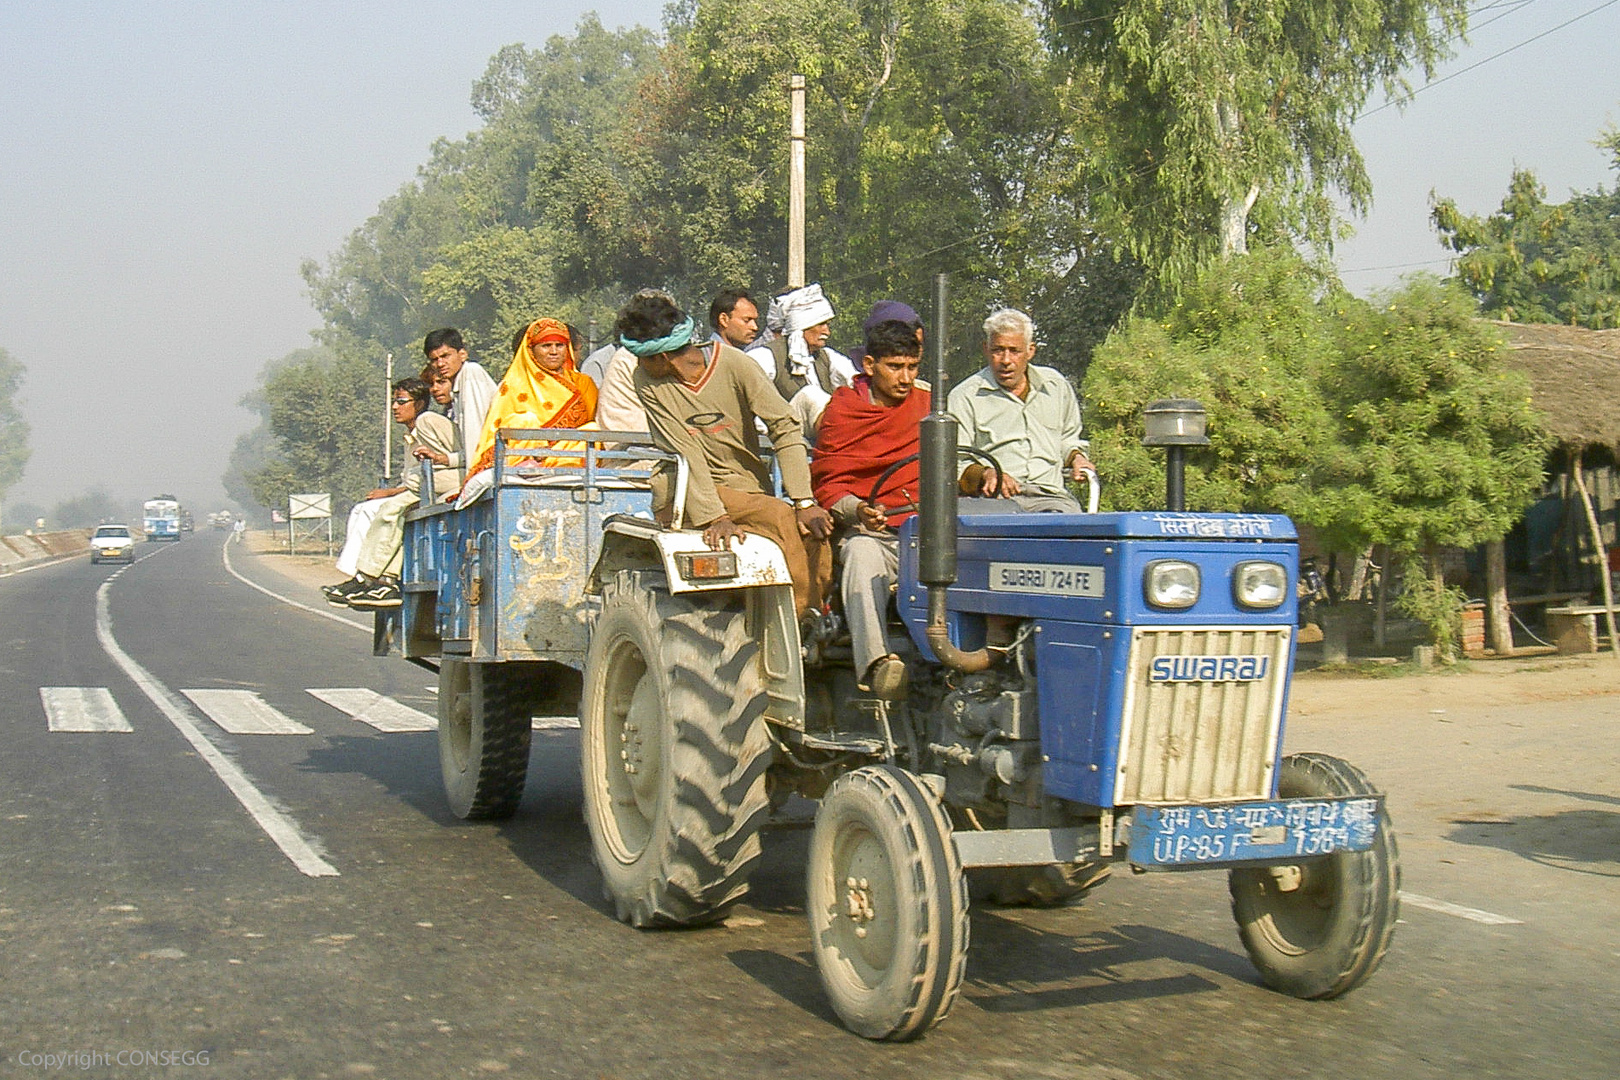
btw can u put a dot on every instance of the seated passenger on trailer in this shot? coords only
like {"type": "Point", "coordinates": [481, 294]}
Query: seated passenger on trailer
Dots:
{"type": "Point", "coordinates": [865, 429]}
{"type": "Point", "coordinates": [703, 402]}
{"type": "Point", "coordinates": [542, 389]}
{"type": "Point", "coordinates": [377, 558]}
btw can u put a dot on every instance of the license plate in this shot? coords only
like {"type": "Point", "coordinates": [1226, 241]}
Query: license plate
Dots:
{"type": "Point", "coordinates": [1047, 579]}
{"type": "Point", "coordinates": [1274, 831]}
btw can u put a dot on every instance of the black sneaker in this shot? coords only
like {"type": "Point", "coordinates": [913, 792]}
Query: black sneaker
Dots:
{"type": "Point", "coordinates": [379, 594]}
{"type": "Point", "coordinates": [338, 595]}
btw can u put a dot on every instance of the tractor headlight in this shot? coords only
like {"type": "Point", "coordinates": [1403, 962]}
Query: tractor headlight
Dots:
{"type": "Point", "coordinates": [1171, 583]}
{"type": "Point", "coordinates": [1262, 585]}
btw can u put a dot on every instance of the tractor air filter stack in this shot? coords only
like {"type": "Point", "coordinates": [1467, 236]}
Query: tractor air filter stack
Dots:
{"type": "Point", "coordinates": [1175, 424]}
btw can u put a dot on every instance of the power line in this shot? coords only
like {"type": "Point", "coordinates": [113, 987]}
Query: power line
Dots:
{"type": "Point", "coordinates": [1488, 59]}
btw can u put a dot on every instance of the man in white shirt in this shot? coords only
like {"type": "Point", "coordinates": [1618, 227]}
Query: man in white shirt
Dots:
{"type": "Point", "coordinates": [799, 363]}
{"type": "Point", "coordinates": [471, 387]}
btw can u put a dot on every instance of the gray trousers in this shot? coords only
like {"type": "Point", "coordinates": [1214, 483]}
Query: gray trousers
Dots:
{"type": "Point", "coordinates": [1033, 503]}
{"type": "Point", "coordinates": [871, 567]}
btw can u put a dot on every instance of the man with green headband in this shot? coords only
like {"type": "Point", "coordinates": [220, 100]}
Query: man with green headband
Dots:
{"type": "Point", "coordinates": [705, 401]}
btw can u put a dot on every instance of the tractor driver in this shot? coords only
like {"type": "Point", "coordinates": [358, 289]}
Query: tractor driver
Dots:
{"type": "Point", "coordinates": [1027, 417]}
{"type": "Point", "coordinates": [865, 429]}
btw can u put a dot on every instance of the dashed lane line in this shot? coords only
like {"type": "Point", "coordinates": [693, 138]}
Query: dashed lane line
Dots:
{"type": "Point", "coordinates": [244, 712]}
{"type": "Point", "coordinates": [1446, 907]}
{"type": "Point", "coordinates": [370, 707]}
{"type": "Point", "coordinates": [82, 708]}
{"type": "Point", "coordinates": [277, 825]}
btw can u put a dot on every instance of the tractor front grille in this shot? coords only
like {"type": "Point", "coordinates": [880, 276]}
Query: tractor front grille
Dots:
{"type": "Point", "coordinates": [1202, 713]}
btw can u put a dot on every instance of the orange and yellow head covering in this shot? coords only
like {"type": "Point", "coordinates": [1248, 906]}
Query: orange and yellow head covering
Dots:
{"type": "Point", "coordinates": [532, 397]}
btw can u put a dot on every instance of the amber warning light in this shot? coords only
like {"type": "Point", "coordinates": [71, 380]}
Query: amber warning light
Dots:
{"type": "Point", "coordinates": [706, 565]}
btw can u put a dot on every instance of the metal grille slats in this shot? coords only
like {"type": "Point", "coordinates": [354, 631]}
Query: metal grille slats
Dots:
{"type": "Point", "coordinates": [1187, 741]}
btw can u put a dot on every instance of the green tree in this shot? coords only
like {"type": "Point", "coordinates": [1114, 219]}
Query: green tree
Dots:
{"type": "Point", "coordinates": [14, 449]}
{"type": "Point", "coordinates": [1539, 262]}
{"type": "Point", "coordinates": [20, 517]}
{"type": "Point", "coordinates": [1248, 338]}
{"type": "Point", "coordinates": [1444, 448]}
{"type": "Point", "coordinates": [324, 409]}
{"type": "Point", "coordinates": [1220, 120]}
{"type": "Point", "coordinates": [85, 511]}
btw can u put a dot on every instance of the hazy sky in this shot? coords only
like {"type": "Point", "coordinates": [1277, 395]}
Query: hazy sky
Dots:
{"type": "Point", "coordinates": [168, 165]}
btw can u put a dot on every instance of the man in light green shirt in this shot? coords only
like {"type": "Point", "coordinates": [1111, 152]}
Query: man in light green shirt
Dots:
{"type": "Point", "coordinates": [1024, 415]}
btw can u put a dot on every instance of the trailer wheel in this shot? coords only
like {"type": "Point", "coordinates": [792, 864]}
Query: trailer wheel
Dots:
{"type": "Point", "coordinates": [1036, 886]}
{"type": "Point", "coordinates": [484, 734]}
{"type": "Point", "coordinates": [1320, 928]}
{"type": "Point", "coordinates": [888, 904]}
{"type": "Point", "coordinates": [673, 751]}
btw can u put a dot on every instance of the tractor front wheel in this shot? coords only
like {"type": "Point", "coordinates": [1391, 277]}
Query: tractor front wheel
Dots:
{"type": "Point", "coordinates": [1321, 927]}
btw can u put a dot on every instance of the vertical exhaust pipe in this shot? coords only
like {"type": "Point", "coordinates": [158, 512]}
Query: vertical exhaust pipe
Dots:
{"type": "Point", "coordinates": [936, 526]}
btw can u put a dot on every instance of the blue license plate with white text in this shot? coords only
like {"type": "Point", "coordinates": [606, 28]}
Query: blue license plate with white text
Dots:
{"type": "Point", "coordinates": [1278, 830]}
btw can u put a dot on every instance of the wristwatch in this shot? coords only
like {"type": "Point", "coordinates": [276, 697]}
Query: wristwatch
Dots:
{"type": "Point", "coordinates": [803, 504]}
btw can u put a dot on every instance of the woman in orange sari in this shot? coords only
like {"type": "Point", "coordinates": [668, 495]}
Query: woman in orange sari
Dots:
{"type": "Point", "coordinates": [541, 389]}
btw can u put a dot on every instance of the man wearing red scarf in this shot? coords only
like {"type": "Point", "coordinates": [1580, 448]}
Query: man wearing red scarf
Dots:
{"type": "Point", "coordinates": [866, 428]}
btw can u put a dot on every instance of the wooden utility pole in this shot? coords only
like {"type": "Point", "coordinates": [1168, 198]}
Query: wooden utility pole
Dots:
{"type": "Point", "coordinates": [1498, 616]}
{"type": "Point", "coordinates": [795, 259]}
{"type": "Point", "coordinates": [1578, 467]}
{"type": "Point", "coordinates": [388, 423]}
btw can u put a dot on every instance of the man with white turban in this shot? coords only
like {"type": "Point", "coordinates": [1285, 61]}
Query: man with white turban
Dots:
{"type": "Point", "coordinates": [798, 362]}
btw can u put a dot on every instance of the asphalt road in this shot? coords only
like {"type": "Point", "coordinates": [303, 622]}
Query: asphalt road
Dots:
{"type": "Point", "coordinates": [346, 925]}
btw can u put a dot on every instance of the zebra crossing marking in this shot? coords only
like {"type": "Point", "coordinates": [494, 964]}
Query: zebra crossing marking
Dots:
{"type": "Point", "coordinates": [244, 712]}
{"type": "Point", "coordinates": [82, 708]}
{"type": "Point", "coordinates": [370, 707]}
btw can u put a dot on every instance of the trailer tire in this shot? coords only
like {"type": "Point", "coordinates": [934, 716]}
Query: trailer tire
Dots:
{"type": "Point", "coordinates": [673, 751]}
{"type": "Point", "coordinates": [1321, 928]}
{"type": "Point", "coordinates": [888, 904]}
{"type": "Point", "coordinates": [484, 734]}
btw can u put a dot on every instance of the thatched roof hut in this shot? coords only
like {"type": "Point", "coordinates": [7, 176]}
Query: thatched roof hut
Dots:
{"type": "Point", "coordinates": [1574, 378]}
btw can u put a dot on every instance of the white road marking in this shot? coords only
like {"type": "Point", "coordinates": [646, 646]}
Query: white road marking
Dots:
{"type": "Point", "coordinates": [225, 552]}
{"type": "Point", "coordinates": [370, 707]}
{"type": "Point", "coordinates": [244, 712]}
{"type": "Point", "coordinates": [278, 826]}
{"type": "Point", "coordinates": [555, 723]}
{"type": "Point", "coordinates": [82, 708]}
{"type": "Point", "coordinates": [1445, 907]}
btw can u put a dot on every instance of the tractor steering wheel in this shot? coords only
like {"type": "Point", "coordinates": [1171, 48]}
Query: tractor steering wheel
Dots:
{"type": "Point", "coordinates": [877, 485]}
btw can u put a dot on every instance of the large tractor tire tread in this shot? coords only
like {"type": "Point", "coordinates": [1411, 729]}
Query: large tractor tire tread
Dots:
{"type": "Point", "coordinates": [705, 838]}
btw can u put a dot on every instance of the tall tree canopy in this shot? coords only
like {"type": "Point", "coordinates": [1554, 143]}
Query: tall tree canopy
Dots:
{"type": "Point", "coordinates": [941, 139]}
{"type": "Point", "coordinates": [1444, 446]}
{"type": "Point", "coordinates": [14, 449]}
{"type": "Point", "coordinates": [1250, 340]}
{"type": "Point", "coordinates": [324, 410]}
{"type": "Point", "coordinates": [1223, 118]}
{"type": "Point", "coordinates": [1539, 262]}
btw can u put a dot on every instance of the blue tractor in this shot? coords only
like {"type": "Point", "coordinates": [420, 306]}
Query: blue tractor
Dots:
{"type": "Point", "coordinates": [1086, 690]}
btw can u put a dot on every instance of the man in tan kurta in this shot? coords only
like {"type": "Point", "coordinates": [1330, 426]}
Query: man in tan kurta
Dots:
{"type": "Point", "coordinates": [702, 402]}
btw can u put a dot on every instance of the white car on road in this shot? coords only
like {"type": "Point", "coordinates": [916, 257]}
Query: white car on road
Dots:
{"type": "Point", "coordinates": [112, 543]}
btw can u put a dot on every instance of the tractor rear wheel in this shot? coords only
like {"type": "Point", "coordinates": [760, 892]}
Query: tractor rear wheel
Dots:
{"type": "Point", "coordinates": [1320, 928]}
{"type": "Point", "coordinates": [673, 751]}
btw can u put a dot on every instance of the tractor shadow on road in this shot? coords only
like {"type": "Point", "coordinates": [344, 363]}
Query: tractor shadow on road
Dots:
{"type": "Point", "coordinates": [1020, 960]}
{"type": "Point", "coordinates": [1580, 841]}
